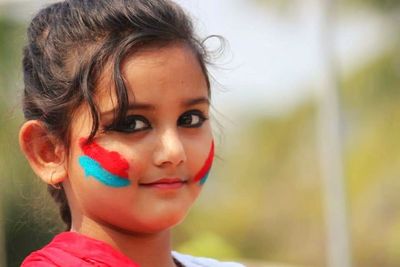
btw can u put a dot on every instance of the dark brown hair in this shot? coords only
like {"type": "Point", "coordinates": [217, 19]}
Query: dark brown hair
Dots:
{"type": "Point", "coordinates": [70, 43]}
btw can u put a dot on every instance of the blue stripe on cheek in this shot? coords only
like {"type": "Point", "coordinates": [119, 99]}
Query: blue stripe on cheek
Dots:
{"type": "Point", "coordinates": [204, 179]}
{"type": "Point", "coordinates": [93, 168]}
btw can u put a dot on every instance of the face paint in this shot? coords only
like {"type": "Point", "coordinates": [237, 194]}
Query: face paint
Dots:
{"type": "Point", "coordinates": [202, 175]}
{"type": "Point", "coordinates": [108, 167]}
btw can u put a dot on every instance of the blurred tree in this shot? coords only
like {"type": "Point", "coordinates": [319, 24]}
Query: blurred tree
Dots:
{"type": "Point", "coordinates": [28, 214]}
{"type": "Point", "coordinates": [373, 156]}
{"type": "Point", "coordinates": [382, 5]}
{"type": "Point", "coordinates": [265, 196]}
{"type": "Point", "coordinates": [371, 96]}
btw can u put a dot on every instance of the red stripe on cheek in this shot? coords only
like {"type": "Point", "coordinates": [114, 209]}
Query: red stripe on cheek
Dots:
{"type": "Point", "coordinates": [207, 164]}
{"type": "Point", "coordinates": [112, 161]}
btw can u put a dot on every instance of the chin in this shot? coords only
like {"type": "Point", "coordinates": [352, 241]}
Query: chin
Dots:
{"type": "Point", "coordinates": [161, 223]}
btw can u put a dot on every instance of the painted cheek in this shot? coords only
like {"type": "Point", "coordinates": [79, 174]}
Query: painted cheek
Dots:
{"type": "Point", "coordinates": [108, 167]}
{"type": "Point", "coordinates": [202, 175]}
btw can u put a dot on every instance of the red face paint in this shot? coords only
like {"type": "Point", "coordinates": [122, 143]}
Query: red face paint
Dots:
{"type": "Point", "coordinates": [111, 161]}
{"type": "Point", "coordinates": [207, 165]}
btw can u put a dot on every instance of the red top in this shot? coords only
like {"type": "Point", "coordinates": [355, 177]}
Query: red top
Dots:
{"type": "Point", "coordinates": [74, 249]}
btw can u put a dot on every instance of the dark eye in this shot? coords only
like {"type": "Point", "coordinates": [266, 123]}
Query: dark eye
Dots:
{"type": "Point", "coordinates": [192, 119]}
{"type": "Point", "coordinates": [131, 124]}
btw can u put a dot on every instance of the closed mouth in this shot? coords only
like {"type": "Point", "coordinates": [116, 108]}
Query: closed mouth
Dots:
{"type": "Point", "coordinates": [165, 183]}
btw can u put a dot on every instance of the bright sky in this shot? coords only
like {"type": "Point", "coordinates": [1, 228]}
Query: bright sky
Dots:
{"type": "Point", "coordinates": [272, 61]}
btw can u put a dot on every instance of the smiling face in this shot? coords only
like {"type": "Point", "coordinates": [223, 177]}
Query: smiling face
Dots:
{"type": "Point", "coordinates": [161, 153]}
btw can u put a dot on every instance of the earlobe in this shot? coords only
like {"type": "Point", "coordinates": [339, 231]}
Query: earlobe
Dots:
{"type": "Point", "coordinates": [44, 153]}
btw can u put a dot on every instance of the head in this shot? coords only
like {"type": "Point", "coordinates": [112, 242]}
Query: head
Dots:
{"type": "Point", "coordinates": [114, 90]}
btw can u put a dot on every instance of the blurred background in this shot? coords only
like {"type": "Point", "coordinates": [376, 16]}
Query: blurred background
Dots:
{"type": "Point", "coordinates": [307, 125]}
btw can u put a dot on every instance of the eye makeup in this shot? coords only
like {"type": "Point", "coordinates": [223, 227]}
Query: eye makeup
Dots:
{"type": "Point", "coordinates": [192, 119]}
{"type": "Point", "coordinates": [108, 167]}
{"type": "Point", "coordinates": [202, 175]}
{"type": "Point", "coordinates": [131, 124]}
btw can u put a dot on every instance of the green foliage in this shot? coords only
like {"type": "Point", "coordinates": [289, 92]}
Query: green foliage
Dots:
{"type": "Point", "coordinates": [371, 100]}
{"type": "Point", "coordinates": [265, 195]}
{"type": "Point", "coordinates": [11, 37]}
{"type": "Point", "coordinates": [207, 243]}
{"type": "Point", "coordinates": [382, 5]}
{"type": "Point", "coordinates": [29, 215]}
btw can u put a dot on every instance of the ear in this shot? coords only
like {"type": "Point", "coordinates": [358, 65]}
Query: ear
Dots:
{"type": "Point", "coordinates": [45, 154]}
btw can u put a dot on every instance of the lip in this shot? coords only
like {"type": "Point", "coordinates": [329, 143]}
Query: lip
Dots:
{"type": "Point", "coordinates": [165, 183]}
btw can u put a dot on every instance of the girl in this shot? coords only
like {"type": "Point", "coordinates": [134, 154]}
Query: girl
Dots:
{"type": "Point", "coordinates": [116, 100]}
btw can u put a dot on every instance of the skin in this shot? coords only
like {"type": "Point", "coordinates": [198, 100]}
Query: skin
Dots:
{"type": "Point", "coordinates": [108, 167]}
{"type": "Point", "coordinates": [135, 219]}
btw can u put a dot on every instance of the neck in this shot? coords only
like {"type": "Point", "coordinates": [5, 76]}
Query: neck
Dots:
{"type": "Point", "coordinates": [144, 249]}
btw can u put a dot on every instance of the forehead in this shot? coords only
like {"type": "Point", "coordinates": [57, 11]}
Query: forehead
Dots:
{"type": "Point", "coordinates": [157, 75]}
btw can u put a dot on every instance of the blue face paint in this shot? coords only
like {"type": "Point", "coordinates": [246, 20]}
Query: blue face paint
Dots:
{"type": "Point", "coordinates": [204, 179]}
{"type": "Point", "coordinates": [202, 175]}
{"type": "Point", "coordinates": [94, 169]}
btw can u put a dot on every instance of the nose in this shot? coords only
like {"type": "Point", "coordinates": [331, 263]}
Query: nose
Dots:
{"type": "Point", "coordinates": [170, 150]}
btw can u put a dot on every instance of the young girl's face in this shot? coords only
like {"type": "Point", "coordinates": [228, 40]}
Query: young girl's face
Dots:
{"type": "Point", "coordinates": [143, 175]}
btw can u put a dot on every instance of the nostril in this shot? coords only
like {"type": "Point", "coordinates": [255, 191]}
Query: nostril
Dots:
{"type": "Point", "coordinates": [170, 151]}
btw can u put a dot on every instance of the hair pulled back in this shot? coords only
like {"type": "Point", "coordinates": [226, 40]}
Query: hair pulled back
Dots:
{"type": "Point", "coordinates": [69, 45]}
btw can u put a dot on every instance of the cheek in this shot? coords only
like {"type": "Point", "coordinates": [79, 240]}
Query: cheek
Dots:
{"type": "Point", "coordinates": [108, 167]}
{"type": "Point", "coordinates": [203, 173]}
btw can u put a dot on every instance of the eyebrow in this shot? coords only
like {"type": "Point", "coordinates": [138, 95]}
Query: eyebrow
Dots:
{"type": "Point", "coordinates": [197, 101]}
{"type": "Point", "coordinates": [146, 106]}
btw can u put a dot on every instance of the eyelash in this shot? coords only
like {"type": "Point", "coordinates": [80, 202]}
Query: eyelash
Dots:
{"type": "Point", "coordinates": [189, 114]}
{"type": "Point", "coordinates": [130, 122]}
{"type": "Point", "coordinates": [127, 126]}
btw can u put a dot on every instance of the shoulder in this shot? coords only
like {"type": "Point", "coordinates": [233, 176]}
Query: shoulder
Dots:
{"type": "Point", "coordinates": [53, 254]}
{"type": "Point", "coordinates": [49, 257]}
{"type": "Point", "coordinates": [191, 261]}
{"type": "Point", "coordinates": [38, 259]}
{"type": "Point", "coordinates": [73, 249]}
